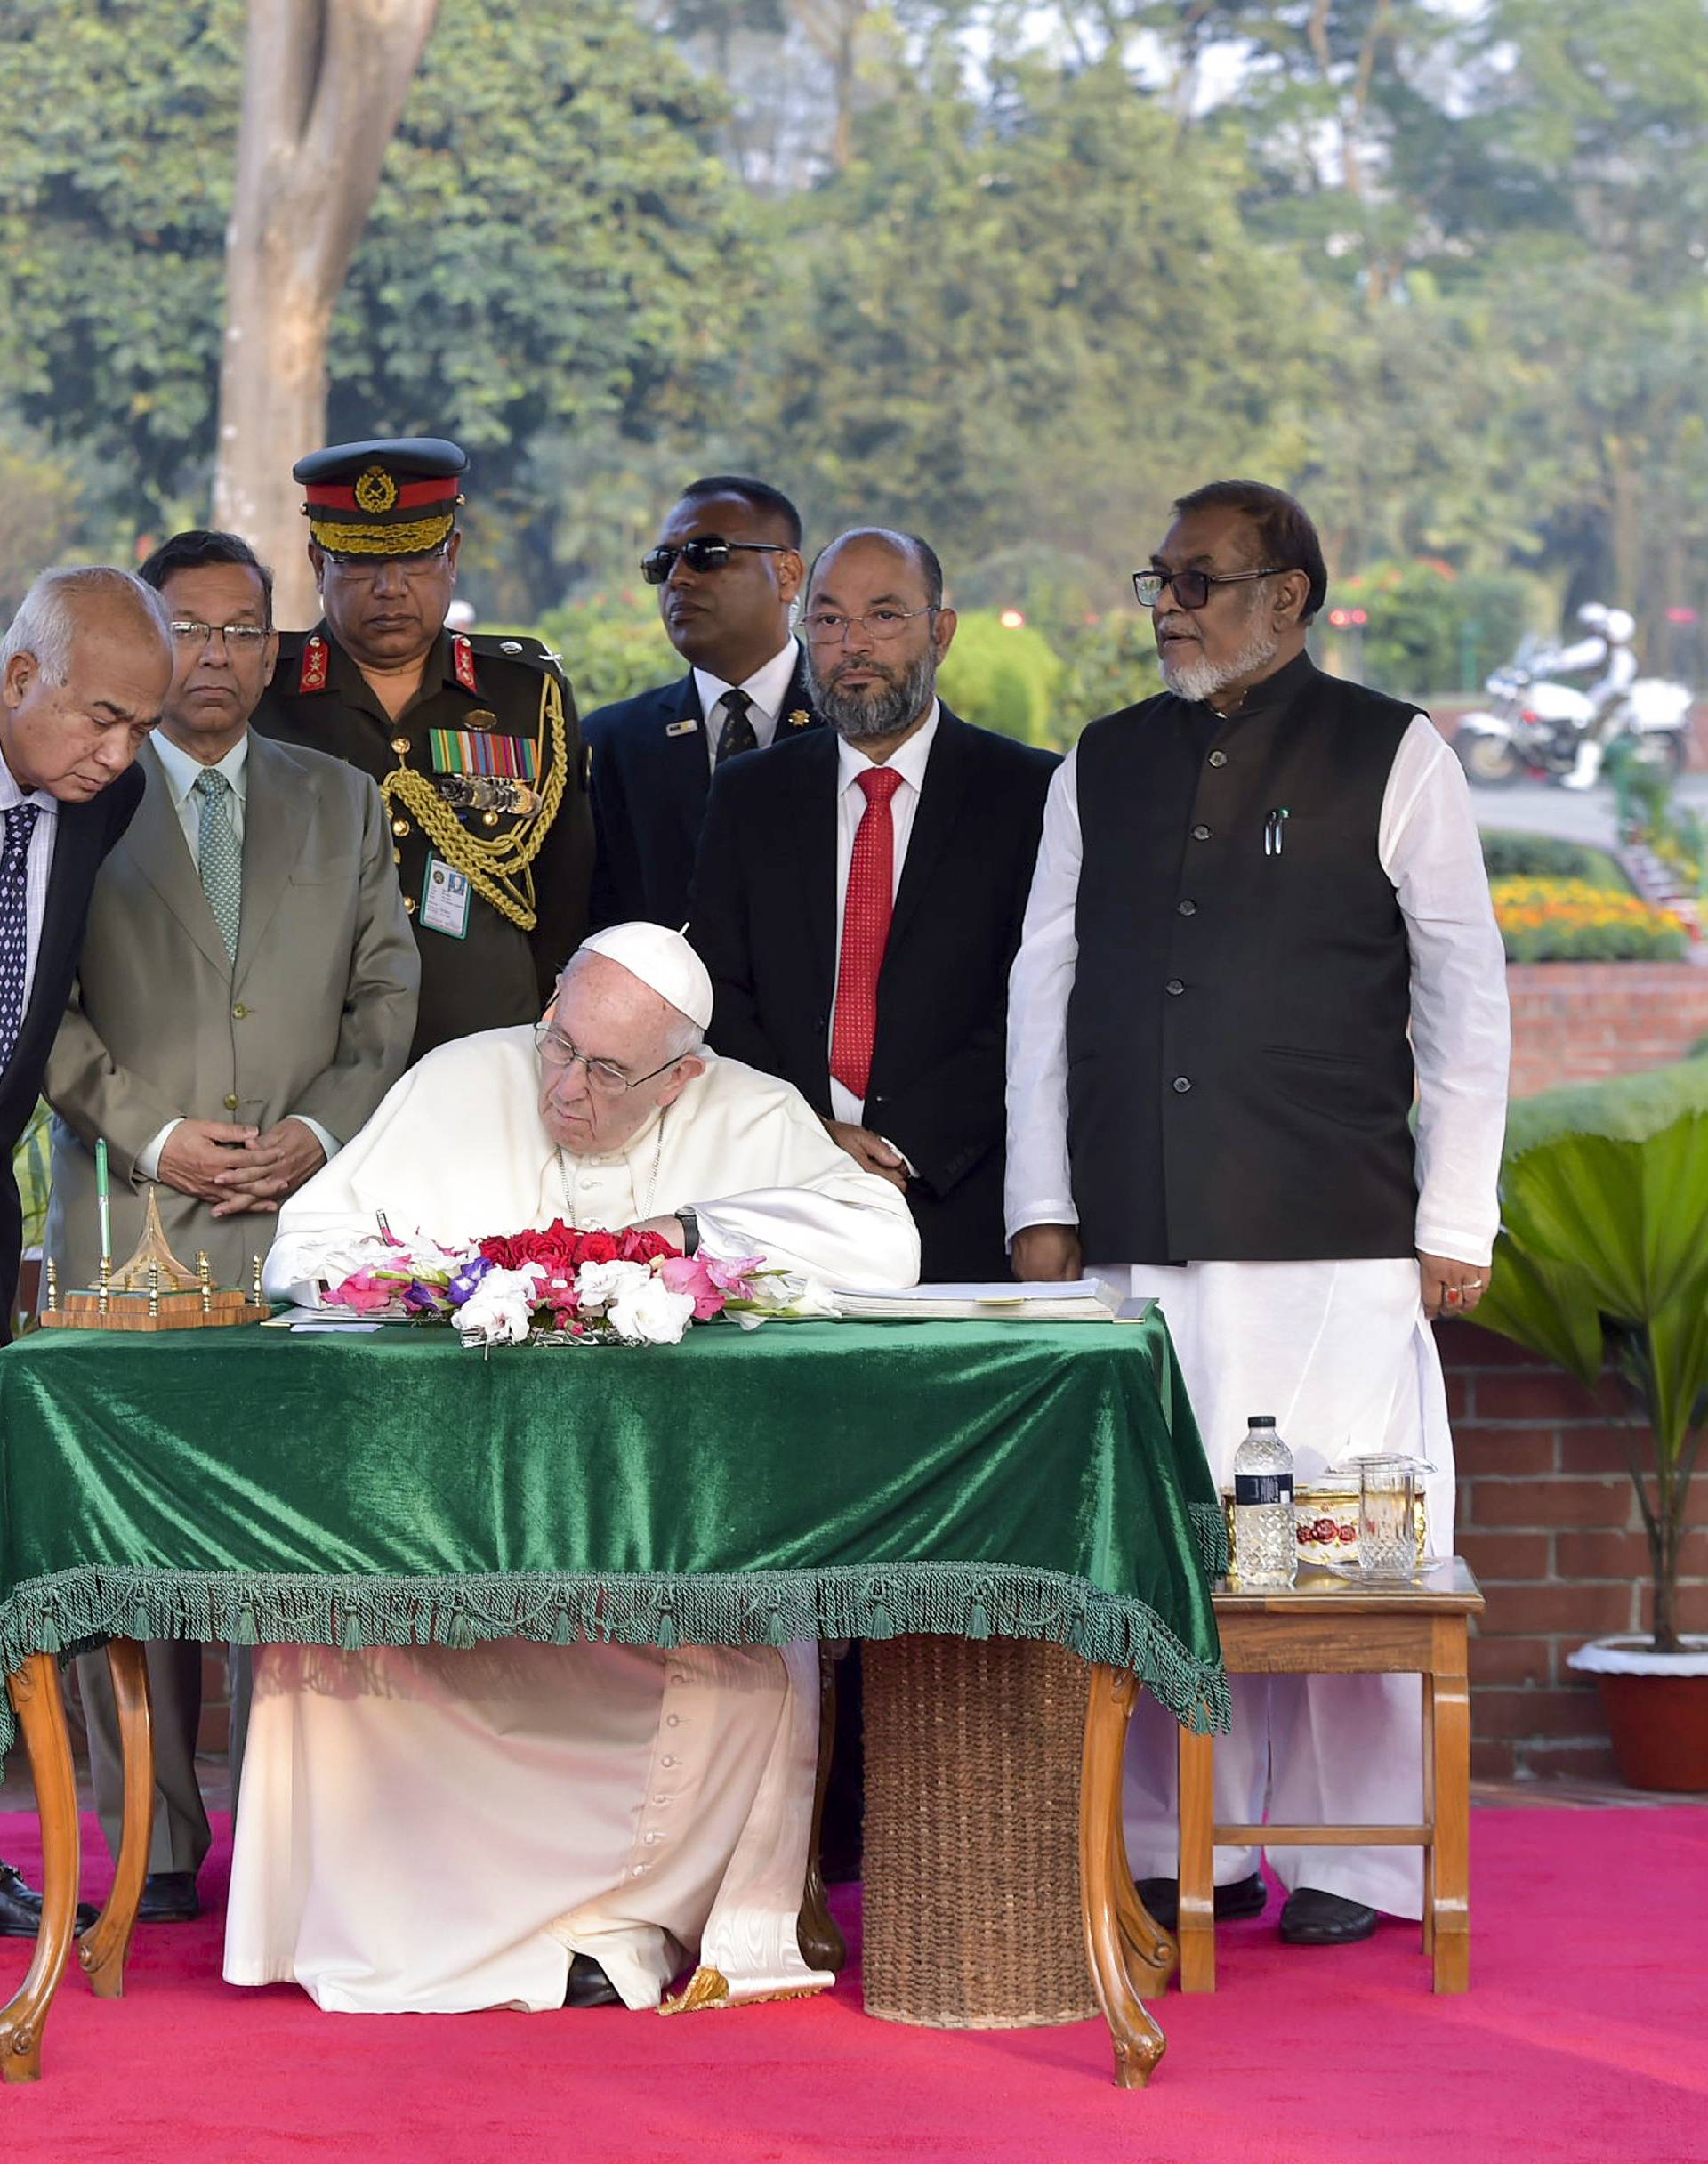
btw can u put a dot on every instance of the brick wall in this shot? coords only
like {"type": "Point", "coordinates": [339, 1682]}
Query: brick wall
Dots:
{"type": "Point", "coordinates": [1548, 1519]}
{"type": "Point", "coordinates": [1576, 1021]}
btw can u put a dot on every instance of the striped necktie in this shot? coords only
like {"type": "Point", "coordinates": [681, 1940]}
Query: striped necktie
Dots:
{"type": "Point", "coordinates": [14, 923]}
{"type": "Point", "coordinates": [220, 857]}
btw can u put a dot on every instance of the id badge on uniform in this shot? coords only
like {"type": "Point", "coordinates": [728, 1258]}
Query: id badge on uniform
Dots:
{"type": "Point", "coordinates": [444, 898]}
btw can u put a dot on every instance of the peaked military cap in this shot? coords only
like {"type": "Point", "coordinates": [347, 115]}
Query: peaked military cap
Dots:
{"type": "Point", "coordinates": [396, 496]}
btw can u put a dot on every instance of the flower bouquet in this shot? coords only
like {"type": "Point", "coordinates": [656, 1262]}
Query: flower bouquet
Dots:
{"type": "Point", "coordinates": [565, 1287]}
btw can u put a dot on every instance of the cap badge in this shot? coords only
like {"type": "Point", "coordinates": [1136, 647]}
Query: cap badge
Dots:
{"type": "Point", "coordinates": [376, 492]}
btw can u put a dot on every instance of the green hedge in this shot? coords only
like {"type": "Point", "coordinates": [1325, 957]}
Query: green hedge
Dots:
{"type": "Point", "coordinates": [1507, 855]}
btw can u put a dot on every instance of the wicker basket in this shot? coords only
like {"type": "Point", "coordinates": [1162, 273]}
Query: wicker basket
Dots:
{"type": "Point", "coordinates": [972, 1914]}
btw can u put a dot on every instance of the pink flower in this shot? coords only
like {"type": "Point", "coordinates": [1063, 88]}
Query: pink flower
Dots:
{"type": "Point", "coordinates": [364, 1291]}
{"type": "Point", "coordinates": [735, 1279]}
{"type": "Point", "coordinates": [692, 1274]}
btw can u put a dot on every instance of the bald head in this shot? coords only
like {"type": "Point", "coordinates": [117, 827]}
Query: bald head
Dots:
{"type": "Point", "coordinates": [876, 631]}
{"type": "Point", "coordinates": [84, 669]}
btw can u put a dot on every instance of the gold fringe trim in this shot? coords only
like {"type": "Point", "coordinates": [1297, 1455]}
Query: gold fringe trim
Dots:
{"type": "Point", "coordinates": [410, 538]}
{"type": "Point", "coordinates": [500, 871]}
{"type": "Point", "coordinates": [708, 1989]}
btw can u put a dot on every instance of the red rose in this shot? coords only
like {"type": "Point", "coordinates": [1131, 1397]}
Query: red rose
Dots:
{"type": "Point", "coordinates": [639, 1246]}
{"type": "Point", "coordinates": [599, 1247]}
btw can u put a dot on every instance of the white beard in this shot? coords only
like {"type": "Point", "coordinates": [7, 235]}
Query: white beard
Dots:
{"type": "Point", "coordinates": [1200, 680]}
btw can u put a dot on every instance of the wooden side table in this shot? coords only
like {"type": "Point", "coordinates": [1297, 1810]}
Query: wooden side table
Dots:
{"type": "Point", "coordinates": [1330, 1625]}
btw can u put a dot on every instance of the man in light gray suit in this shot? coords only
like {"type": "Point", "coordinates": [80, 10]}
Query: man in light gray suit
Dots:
{"type": "Point", "coordinates": [246, 996]}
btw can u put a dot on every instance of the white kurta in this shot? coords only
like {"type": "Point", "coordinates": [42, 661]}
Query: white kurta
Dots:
{"type": "Point", "coordinates": [430, 1830]}
{"type": "Point", "coordinates": [1339, 1352]}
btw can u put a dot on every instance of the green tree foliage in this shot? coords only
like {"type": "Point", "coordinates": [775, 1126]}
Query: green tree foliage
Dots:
{"type": "Point", "coordinates": [553, 239]}
{"type": "Point", "coordinates": [1002, 677]}
{"type": "Point", "coordinates": [970, 334]}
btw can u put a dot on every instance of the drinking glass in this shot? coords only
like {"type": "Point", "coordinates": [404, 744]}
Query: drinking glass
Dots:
{"type": "Point", "coordinates": [1387, 1525]}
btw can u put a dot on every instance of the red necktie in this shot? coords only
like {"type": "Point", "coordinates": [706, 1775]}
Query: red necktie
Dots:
{"type": "Point", "coordinates": [865, 930]}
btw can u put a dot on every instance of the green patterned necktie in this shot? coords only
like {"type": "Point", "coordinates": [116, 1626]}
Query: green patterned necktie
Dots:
{"type": "Point", "coordinates": [219, 857]}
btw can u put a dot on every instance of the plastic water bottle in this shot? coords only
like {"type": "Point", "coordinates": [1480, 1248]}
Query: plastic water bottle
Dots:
{"type": "Point", "coordinates": [1266, 1548]}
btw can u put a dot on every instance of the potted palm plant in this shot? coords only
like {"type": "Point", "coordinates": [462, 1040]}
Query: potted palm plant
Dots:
{"type": "Point", "coordinates": [1602, 1266]}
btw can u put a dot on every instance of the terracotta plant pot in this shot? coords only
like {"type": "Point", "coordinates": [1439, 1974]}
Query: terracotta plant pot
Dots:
{"type": "Point", "coordinates": [1658, 1720]}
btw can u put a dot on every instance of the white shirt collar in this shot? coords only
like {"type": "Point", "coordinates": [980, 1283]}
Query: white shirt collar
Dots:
{"type": "Point", "coordinates": [10, 794]}
{"type": "Point", "coordinates": [181, 769]}
{"type": "Point", "coordinates": [909, 762]}
{"type": "Point", "coordinates": [767, 688]}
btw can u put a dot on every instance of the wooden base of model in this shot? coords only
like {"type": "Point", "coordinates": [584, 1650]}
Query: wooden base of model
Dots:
{"type": "Point", "coordinates": [153, 1291]}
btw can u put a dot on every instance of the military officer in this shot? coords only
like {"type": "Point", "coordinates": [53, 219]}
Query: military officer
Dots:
{"type": "Point", "coordinates": [474, 741]}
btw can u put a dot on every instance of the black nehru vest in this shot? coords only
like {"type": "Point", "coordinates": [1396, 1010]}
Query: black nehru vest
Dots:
{"type": "Point", "coordinates": [1239, 1076]}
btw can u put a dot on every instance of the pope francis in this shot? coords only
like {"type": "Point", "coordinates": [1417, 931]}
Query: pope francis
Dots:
{"type": "Point", "coordinates": [430, 1830]}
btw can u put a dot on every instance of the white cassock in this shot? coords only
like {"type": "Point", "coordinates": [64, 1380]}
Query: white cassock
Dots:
{"type": "Point", "coordinates": [427, 1830]}
{"type": "Point", "coordinates": [1339, 1352]}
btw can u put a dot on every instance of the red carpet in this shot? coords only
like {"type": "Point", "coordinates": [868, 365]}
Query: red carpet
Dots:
{"type": "Point", "coordinates": [1582, 2041]}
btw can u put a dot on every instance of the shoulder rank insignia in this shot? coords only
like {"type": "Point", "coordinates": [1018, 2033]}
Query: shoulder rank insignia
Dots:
{"type": "Point", "coordinates": [462, 662]}
{"type": "Point", "coordinates": [316, 661]}
{"type": "Point", "coordinates": [685, 728]}
{"type": "Point", "coordinates": [799, 719]}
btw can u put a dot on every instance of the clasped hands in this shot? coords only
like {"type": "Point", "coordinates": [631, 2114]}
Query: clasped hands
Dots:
{"type": "Point", "coordinates": [239, 1169]}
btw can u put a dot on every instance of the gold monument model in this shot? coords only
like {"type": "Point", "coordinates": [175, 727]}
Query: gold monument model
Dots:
{"type": "Point", "coordinates": [153, 1291]}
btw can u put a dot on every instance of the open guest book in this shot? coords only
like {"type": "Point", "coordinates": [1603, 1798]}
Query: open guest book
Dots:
{"type": "Point", "coordinates": [1083, 1300]}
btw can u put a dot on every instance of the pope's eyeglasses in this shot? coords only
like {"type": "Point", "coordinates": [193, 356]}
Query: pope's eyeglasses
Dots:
{"type": "Point", "coordinates": [605, 1075]}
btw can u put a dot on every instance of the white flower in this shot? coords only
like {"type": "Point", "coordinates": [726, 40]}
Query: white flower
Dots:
{"type": "Point", "coordinates": [649, 1313]}
{"type": "Point", "coordinates": [598, 1284]}
{"type": "Point", "coordinates": [500, 1309]}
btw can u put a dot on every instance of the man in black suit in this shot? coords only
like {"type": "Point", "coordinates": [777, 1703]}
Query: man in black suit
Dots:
{"type": "Point", "coordinates": [83, 671]}
{"type": "Point", "coordinates": [727, 568]}
{"type": "Point", "coordinates": [860, 894]}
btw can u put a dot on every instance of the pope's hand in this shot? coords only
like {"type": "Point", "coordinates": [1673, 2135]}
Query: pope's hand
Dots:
{"type": "Point", "coordinates": [197, 1152]}
{"type": "Point", "coordinates": [272, 1166]}
{"type": "Point", "coordinates": [870, 1152]}
{"type": "Point", "coordinates": [1046, 1253]}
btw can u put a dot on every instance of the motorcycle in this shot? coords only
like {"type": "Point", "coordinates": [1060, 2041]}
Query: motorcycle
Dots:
{"type": "Point", "coordinates": [1534, 726]}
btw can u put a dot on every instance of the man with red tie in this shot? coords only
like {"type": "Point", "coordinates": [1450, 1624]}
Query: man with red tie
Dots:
{"type": "Point", "coordinates": [858, 896]}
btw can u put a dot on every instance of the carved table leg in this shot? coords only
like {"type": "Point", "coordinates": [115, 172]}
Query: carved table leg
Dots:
{"type": "Point", "coordinates": [1120, 1936]}
{"type": "Point", "coordinates": [35, 1693]}
{"type": "Point", "coordinates": [104, 1946]}
{"type": "Point", "coordinates": [821, 1943]}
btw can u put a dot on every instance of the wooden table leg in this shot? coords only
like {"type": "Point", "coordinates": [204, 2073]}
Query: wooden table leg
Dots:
{"type": "Point", "coordinates": [821, 1943]}
{"type": "Point", "coordinates": [1428, 1682]}
{"type": "Point", "coordinates": [1450, 1737]}
{"type": "Point", "coordinates": [1120, 1934]}
{"type": "Point", "coordinates": [34, 1689]}
{"type": "Point", "coordinates": [104, 1947]}
{"type": "Point", "coordinates": [1197, 1867]}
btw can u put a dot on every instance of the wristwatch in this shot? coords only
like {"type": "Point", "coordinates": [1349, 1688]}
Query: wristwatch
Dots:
{"type": "Point", "coordinates": [688, 1219]}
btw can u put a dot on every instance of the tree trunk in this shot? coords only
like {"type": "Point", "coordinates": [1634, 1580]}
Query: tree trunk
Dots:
{"type": "Point", "coordinates": [324, 88]}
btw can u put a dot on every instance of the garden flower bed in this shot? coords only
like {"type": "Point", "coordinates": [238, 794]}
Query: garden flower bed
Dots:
{"type": "Point", "coordinates": [1571, 920]}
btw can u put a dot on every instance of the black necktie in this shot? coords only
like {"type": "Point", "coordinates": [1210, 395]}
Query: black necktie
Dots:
{"type": "Point", "coordinates": [736, 734]}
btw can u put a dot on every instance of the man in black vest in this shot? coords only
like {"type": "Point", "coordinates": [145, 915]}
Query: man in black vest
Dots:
{"type": "Point", "coordinates": [727, 568]}
{"type": "Point", "coordinates": [83, 670]}
{"type": "Point", "coordinates": [1260, 912]}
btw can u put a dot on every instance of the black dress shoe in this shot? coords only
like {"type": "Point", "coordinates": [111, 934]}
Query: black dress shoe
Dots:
{"type": "Point", "coordinates": [1311, 1918]}
{"type": "Point", "coordinates": [589, 1985]}
{"type": "Point", "coordinates": [169, 1897]}
{"type": "Point", "coordinates": [20, 1909]}
{"type": "Point", "coordinates": [1244, 1897]}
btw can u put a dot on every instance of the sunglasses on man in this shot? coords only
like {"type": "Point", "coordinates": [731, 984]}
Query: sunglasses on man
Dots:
{"type": "Point", "coordinates": [1192, 588]}
{"type": "Point", "coordinates": [702, 553]}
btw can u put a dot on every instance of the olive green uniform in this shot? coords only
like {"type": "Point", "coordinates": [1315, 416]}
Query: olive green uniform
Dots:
{"type": "Point", "coordinates": [493, 724]}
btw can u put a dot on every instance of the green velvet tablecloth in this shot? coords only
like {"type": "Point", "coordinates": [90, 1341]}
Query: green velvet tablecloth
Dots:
{"type": "Point", "coordinates": [823, 1479]}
